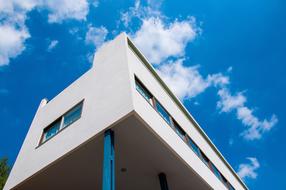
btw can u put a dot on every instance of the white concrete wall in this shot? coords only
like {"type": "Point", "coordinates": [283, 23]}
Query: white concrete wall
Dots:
{"type": "Point", "coordinates": [156, 122]}
{"type": "Point", "coordinates": [106, 92]}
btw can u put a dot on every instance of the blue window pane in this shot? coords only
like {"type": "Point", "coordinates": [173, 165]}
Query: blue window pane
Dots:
{"type": "Point", "coordinates": [179, 130]}
{"type": "Point", "coordinates": [163, 112]}
{"type": "Point", "coordinates": [52, 130]}
{"type": "Point", "coordinates": [224, 180]}
{"type": "Point", "coordinates": [194, 147]}
{"type": "Point", "coordinates": [205, 159]}
{"type": "Point", "coordinates": [72, 115]}
{"type": "Point", "coordinates": [231, 187]}
{"type": "Point", "coordinates": [143, 91]}
{"type": "Point", "coordinates": [216, 172]}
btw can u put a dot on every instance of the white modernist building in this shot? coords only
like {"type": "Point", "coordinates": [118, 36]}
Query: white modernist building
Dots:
{"type": "Point", "coordinates": [118, 127]}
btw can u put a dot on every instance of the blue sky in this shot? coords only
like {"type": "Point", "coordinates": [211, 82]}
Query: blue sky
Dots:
{"type": "Point", "coordinates": [224, 59]}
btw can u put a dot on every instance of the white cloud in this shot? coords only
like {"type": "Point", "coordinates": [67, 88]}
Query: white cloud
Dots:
{"type": "Point", "coordinates": [13, 15]}
{"type": "Point", "coordinates": [248, 170]}
{"type": "Point", "coordinates": [218, 79]}
{"type": "Point", "coordinates": [228, 102]}
{"type": "Point", "coordinates": [95, 3]}
{"type": "Point", "coordinates": [11, 42]}
{"type": "Point", "coordinates": [157, 37]}
{"type": "Point", "coordinates": [96, 36]}
{"type": "Point", "coordinates": [127, 16]}
{"type": "Point", "coordinates": [140, 12]}
{"type": "Point", "coordinates": [52, 45]}
{"type": "Point", "coordinates": [187, 82]}
{"type": "Point", "coordinates": [58, 11]}
{"type": "Point", "coordinates": [159, 40]}
{"type": "Point", "coordinates": [61, 10]}
{"type": "Point", "coordinates": [256, 126]}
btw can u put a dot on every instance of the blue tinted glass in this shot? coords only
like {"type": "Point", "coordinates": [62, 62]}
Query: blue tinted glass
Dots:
{"type": "Point", "coordinates": [216, 172]}
{"type": "Point", "coordinates": [231, 187]}
{"type": "Point", "coordinates": [51, 131]}
{"type": "Point", "coordinates": [72, 115]}
{"type": "Point", "coordinates": [143, 91]}
{"type": "Point", "coordinates": [163, 112]}
{"type": "Point", "coordinates": [179, 130]}
{"type": "Point", "coordinates": [194, 147]}
{"type": "Point", "coordinates": [205, 159]}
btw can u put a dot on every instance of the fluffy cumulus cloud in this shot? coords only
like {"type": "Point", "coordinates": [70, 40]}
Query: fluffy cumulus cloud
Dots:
{"type": "Point", "coordinates": [11, 42]}
{"type": "Point", "coordinates": [255, 126]}
{"type": "Point", "coordinates": [13, 15]}
{"type": "Point", "coordinates": [96, 36]}
{"type": "Point", "coordinates": [249, 170]}
{"type": "Point", "coordinates": [228, 102]}
{"type": "Point", "coordinates": [61, 10]}
{"type": "Point", "coordinates": [186, 81]}
{"type": "Point", "coordinates": [159, 40]}
{"type": "Point", "coordinates": [138, 11]}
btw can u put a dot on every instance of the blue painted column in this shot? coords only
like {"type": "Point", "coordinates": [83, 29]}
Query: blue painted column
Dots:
{"type": "Point", "coordinates": [108, 177]}
{"type": "Point", "coordinates": [163, 181]}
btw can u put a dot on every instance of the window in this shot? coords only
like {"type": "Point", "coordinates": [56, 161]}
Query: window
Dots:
{"type": "Point", "coordinates": [52, 130]}
{"type": "Point", "coordinates": [73, 115]}
{"type": "Point", "coordinates": [143, 91]}
{"type": "Point", "coordinates": [161, 110]}
{"type": "Point", "coordinates": [179, 130]}
{"type": "Point", "coordinates": [205, 159]}
{"type": "Point", "coordinates": [67, 119]}
{"type": "Point", "coordinates": [216, 172]}
{"type": "Point", "coordinates": [231, 187]}
{"type": "Point", "coordinates": [194, 147]}
{"type": "Point", "coordinates": [224, 180]}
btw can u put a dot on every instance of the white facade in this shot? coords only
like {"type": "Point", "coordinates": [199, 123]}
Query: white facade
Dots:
{"type": "Point", "coordinates": [109, 98]}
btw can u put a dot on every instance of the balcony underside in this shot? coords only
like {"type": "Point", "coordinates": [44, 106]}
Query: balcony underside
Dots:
{"type": "Point", "coordinates": [139, 157]}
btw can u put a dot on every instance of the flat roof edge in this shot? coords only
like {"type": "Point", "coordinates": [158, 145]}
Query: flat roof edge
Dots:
{"type": "Point", "coordinates": [182, 107]}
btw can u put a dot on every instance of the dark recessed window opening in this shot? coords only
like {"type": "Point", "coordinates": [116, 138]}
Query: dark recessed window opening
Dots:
{"type": "Point", "coordinates": [205, 159]}
{"type": "Point", "coordinates": [143, 91]}
{"type": "Point", "coordinates": [179, 130]}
